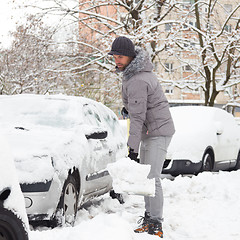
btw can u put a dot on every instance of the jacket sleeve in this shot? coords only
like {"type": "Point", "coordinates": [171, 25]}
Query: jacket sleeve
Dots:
{"type": "Point", "coordinates": [124, 99]}
{"type": "Point", "coordinates": [137, 93]}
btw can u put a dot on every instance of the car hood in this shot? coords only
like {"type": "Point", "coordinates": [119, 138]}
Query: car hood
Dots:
{"type": "Point", "coordinates": [35, 151]}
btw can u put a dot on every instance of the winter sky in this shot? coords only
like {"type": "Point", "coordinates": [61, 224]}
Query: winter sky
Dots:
{"type": "Point", "coordinates": [7, 22]}
{"type": "Point", "coordinates": [10, 15]}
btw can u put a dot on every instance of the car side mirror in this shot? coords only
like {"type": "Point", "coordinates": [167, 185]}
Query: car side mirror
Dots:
{"type": "Point", "coordinates": [97, 135]}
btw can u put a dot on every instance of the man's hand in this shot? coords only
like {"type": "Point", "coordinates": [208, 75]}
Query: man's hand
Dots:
{"type": "Point", "coordinates": [124, 111]}
{"type": "Point", "coordinates": [133, 156]}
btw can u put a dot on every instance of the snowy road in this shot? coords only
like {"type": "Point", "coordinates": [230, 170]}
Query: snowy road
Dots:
{"type": "Point", "coordinates": [204, 207]}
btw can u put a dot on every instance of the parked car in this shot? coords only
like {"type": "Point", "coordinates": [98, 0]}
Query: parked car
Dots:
{"type": "Point", "coordinates": [13, 217]}
{"type": "Point", "coordinates": [206, 139]}
{"type": "Point", "coordinates": [61, 148]}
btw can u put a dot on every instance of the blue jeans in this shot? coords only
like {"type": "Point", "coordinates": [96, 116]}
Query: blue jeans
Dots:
{"type": "Point", "coordinates": [153, 151]}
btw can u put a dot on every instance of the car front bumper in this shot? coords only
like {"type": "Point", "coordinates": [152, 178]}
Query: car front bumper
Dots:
{"type": "Point", "coordinates": [183, 166]}
{"type": "Point", "coordinates": [41, 199]}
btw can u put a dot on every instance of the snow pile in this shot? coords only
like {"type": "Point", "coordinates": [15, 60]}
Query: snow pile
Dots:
{"type": "Point", "coordinates": [203, 207]}
{"type": "Point", "coordinates": [131, 177]}
{"type": "Point", "coordinates": [102, 227]}
{"type": "Point", "coordinates": [199, 207]}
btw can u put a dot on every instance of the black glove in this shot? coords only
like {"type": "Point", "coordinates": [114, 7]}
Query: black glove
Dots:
{"type": "Point", "coordinates": [133, 156]}
{"type": "Point", "coordinates": [124, 112]}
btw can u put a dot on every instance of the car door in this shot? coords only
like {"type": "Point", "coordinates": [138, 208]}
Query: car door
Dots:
{"type": "Point", "coordinates": [100, 153]}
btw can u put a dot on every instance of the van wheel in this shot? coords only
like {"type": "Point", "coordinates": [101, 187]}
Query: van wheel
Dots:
{"type": "Point", "coordinates": [67, 206]}
{"type": "Point", "coordinates": [11, 227]}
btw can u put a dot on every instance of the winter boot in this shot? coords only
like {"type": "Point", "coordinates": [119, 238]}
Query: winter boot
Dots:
{"type": "Point", "coordinates": [155, 228]}
{"type": "Point", "coordinates": [143, 221]}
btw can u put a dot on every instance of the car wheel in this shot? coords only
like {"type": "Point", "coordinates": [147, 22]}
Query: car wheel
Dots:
{"type": "Point", "coordinates": [67, 207]}
{"type": "Point", "coordinates": [11, 227]}
{"type": "Point", "coordinates": [207, 163]}
{"type": "Point", "coordinates": [237, 166]}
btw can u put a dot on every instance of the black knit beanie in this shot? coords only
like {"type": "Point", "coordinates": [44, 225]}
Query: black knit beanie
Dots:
{"type": "Point", "coordinates": [123, 46]}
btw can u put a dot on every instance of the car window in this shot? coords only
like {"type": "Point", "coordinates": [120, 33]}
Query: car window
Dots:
{"type": "Point", "coordinates": [111, 122]}
{"type": "Point", "coordinates": [25, 112]}
{"type": "Point", "coordinates": [91, 115]}
{"type": "Point", "coordinates": [226, 119]}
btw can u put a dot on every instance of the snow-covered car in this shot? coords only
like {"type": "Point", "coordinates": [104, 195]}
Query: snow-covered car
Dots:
{"type": "Point", "coordinates": [13, 217]}
{"type": "Point", "coordinates": [206, 139]}
{"type": "Point", "coordinates": [61, 147]}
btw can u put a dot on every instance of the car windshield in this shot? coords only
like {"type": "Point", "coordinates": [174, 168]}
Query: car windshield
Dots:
{"type": "Point", "coordinates": [27, 111]}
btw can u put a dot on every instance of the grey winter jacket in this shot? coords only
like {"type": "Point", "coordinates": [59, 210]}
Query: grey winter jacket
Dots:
{"type": "Point", "coordinates": [145, 101]}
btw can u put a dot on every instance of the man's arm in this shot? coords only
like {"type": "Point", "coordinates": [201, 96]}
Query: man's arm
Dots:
{"type": "Point", "coordinates": [137, 108]}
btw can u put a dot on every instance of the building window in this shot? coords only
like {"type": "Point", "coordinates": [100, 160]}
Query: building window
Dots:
{"type": "Point", "coordinates": [228, 28]}
{"type": "Point", "coordinates": [193, 23]}
{"type": "Point", "coordinates": [191, 90]}
{"type": "Point", "coordinates": [188, 1]}
{"type": "Point", "coordinates": [169, 90]}
{"type": "Point", "coordinates": [187, 68]}
{"type": "Point", "coordinates": [186, 4]}
{"type": "Point", "coordinates": [228, 91]}
{"type": "Point", "coordinates": [168, 26]}
{"type": "Point", "coordinates": [209, 26]}
{"type": "Point", "coordinates": [228, 7]}
{"type": "Point", "coordinates": [168, 67]}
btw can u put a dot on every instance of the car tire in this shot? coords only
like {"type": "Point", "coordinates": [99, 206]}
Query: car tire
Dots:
{"type": "Point", "coordinates": [207, 163]}
{"type": "Point", "coordinates": [237, 166]}
{"type": "Point", "coordinates": [67, 206]}
{"type": "Point", "coordinates": [11, 227]}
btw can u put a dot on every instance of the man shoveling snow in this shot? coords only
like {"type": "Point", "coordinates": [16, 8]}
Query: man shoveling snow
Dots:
{"type": "Point", "coordinates": [151, 123]}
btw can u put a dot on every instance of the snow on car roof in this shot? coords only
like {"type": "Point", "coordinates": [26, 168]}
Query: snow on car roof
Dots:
{"type": "Point", "coordinates": [41, 109]}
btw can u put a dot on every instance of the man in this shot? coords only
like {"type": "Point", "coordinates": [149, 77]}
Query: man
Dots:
{"type": "Point", "coordinates": [151, 123]}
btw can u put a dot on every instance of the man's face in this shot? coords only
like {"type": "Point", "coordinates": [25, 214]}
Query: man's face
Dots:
{"type": "Point", "coordinates": [122, 61]}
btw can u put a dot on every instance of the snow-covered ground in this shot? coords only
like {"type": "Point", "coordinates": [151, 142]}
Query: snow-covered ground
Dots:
{"type": "Point", "coordinates": [203, 207]}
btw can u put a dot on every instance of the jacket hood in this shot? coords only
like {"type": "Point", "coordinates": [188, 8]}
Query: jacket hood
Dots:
{"type": "Point", "coordinates": [141, 63]}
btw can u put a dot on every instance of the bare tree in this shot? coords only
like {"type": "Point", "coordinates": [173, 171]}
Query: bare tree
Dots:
{"type": "Point", "coordinates": [206, 41]}
{"type": "Point", "coordinates": [99, 22]}
{"type": "Point", "coordinates": [191, 32]}
{"type": "Point", "coordinates": [23, 65]}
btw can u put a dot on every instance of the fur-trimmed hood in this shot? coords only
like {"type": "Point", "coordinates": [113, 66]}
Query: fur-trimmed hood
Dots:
{"type": "Point", "coordinates": [139, 64]}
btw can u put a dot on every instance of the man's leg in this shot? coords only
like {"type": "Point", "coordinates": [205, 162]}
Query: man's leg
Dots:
{"type": "Point", "coordinates": [144, 160]}
{"type": "Point", "coordinates": [155, 153]}
{"type": "Point", "coordinates": [143, 221]}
